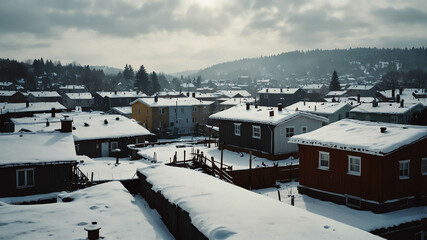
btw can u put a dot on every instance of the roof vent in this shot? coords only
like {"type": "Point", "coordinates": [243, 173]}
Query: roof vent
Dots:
{"type": "Point", "coordinates": [279, 106]}
{"type": "Point", "coordinates": [383, 129]}
{"type": "Point", "coordinates": [247, 106]}
{"type": "Point", "coordinates": [86, 124]}
{"type": "Point", "coordinates": [271, 113]}
{"type": "Point", "coordinates": [105, 121]}
{"type": "Point", "coordinates": [117, 118]}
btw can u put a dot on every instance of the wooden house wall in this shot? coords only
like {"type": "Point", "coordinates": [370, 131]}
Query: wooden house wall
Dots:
{"type": "Point", "coordinates": [379, 180]}
{"type": "Point", "coordinates": [47, 178]}
{"type": "Point", "coordinates": [272, 99]}
{"type": "Point", "coordinates": [245, 140]}
{"type": "Point", "coordinates": [92, 148]}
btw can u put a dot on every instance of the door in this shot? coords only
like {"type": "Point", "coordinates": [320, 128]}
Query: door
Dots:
{"type": "Point", "coordinates": [105, 149]}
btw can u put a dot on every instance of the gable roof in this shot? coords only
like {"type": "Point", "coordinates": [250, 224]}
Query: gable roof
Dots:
{"type": "Point", "coordinates": [27, 148]}
{"type": "Point", "coordinates": [84, 95]}
{"type": "Point", "coordinates": [45, 94]}
{"type": "Point", "coordinates": [122, 94]}
{"type": "Point", "coordinates": [360, 87]}
{"type": "Point", "coordinates": [172, 102]}
{"type": "Point", "coordinates": [33, 107]}
{"type": "Point", "coordinates": [71, 87]}
{"type": "Point", "coordinates": [279, 90]}
{"type": "Point", "coordinates": [361, 136]}
{"type": "Point", "coordinates": [237, 101]}
{"type": "Point", "coordinates": [385, 108]}
{"type": "Point", "coordinates": [261, 115]}
{"type": "Point", "coordinates": [318, 107]}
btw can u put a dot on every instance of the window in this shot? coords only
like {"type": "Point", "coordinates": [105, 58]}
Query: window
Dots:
{"type": "Point", "coordinates": [25, 178]}
{"type": "Point", "coordinates": [182, 110]}
{"type": "Point", "coordinates": [139, 111]}
{"type": "Point", "coordinates": [323, 160]}
{"type": "Point", "coordinates": [77, 147]}
{"type": "Point", "coordinates": [114, 145]}
{"type": "Point", "coordinates": [161, 111]}
{"type": "Point", "coordinates": [237, 129]}
{"type": "Point", "coordinates": [194, 109]}
{"type": "Point", "coordinates": [393, 119]}
{"type": "Point", "coordinates": [303, 129]}
{"type": "Point", "coordinates": [289, 131]}
{"type": "Point", "coordinates": [347, 114]}
{"type": "Point", "coordinates": [172, 124]}
{"type": "Point", "coordinates": [354, 165]}
{"type": "Point", "coordinates": [97, 146]}
{"type": "Point", "coordinates": [404, 169]}
{"type": "Point", "coordinates": [256, 132]}
{"type": "Point", "coordinates": [424, 166]}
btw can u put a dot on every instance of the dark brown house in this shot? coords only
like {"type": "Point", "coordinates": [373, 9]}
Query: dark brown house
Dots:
{"type": "Point", "coordinates": [36, 163]}
{"type": "Point", "coordinates": [375, 166]}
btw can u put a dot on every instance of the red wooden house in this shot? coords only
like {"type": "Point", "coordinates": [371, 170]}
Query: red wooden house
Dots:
{"type": "Point", "coordinates": [376, 166]}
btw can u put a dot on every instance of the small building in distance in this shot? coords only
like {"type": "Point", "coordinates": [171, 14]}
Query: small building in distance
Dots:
{"type": "Point", "coordinates": [270, 97]}
{"type": "Point", "coordinates": [13, 96]}
{"type": "Point", "coordinates": [36, 163]}
{"type": "Point", "coordinates": [391, 112]}
{"type": "Point", "coordinates": [264, 130]}
{"type": "Point", "coordinates": [374, 166]}
{"type": "Point", "coordinates": [104, 101]}
{"type": "Point", "coordinates": [235, 101]}
{"type": "Point", "coordinates": [83, 100]}
{"type": "Point", "coordinates": [71, 89]}
{"type": "Point", "coordinates": [44, 96]}
{"type": "Point", "coordinates": [125, 111]}
{"type": "Point", "coordinates": [334, 111]}
{"type": "Point", "coordinates": [362, 90]}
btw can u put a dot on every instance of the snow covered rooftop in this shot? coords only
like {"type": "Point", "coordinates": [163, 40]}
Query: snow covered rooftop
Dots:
{"type": "Point", "coordinates": [84, 96]}
{"type": "Point", "coordinates": [33, 107]}
{"type": "Point", "coordinates": [313, 86]}
{"type": "Point", "coordinates": [336, 93]}
{"type": "Point", "coordinates": [119, 214]}
{"type": "Point", "coordinates": [117, 126]}
{"type": "Point", "coordinates": [122, 94]}
{"type": "Point", "coordinates": [70, 87]}
{"type": "Point", "coordinates": [123, 110]}
{"type": "Point", "coordinates": [5, 84]}
{"type": "Point", "coordinates": [221, 210]}
{"type": "Point", "coordinates": [385, 108]}
{"type": "Point", "coordinates": [232, 93]}
{"type": "Point", "coordinates": [364, 137]}
{"type": "Point", "coordinates": [351, 100]}
{"type": "Point", "coordinates": [7, 93]}
{"type": "Point", "coordinates": [171, 102]}
{"type": "Point", "coordinates": [261, 115]}
{"type": "Point", "coordinates": [45, 94]}
{"type": "Point", "coordinates": [236, 101]}
{"type": "Point", "coordinates": [318, 107]}
{"type": "Point", "coordinates": [22, 148]}
{"type": "Point", "coordinates": [410, 95]}
{"type": "Point", "coordinates": [360, 87]}
{"type": "Point", "coordinates": [279, 90]}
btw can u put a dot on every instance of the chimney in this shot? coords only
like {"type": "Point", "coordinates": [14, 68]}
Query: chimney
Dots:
{"type": "Point", "coordinates": [271, 113]}
{"type": "Point", "coordinates": [115, 92]}
{"type": "Point", "coordinates": [188, 94]}
{"type": "Point", "coordinates": [279, 107]}
{"type": "Point", "coordinates": [374, 104]}
{"type": "Point", "coordinates": [287, 89]}
{"type": "Point", "coordinates": [53, 112]}
{"type": "Point", "coordinates": [27, 103]}
{"type": "Point", "coordinates": [398, 98]}
{"type": "Point", "coordinates": [247, 106]}
{"type": "Point", "coordinates": [315, 107]}
{"type": "Point", "coordinates": [47, 123]}
{"type": "Point", "coordinates": [281, 89]}
{"type": "Point", "coordinates": [400, 91]}
{"type": "Point", "coordinates": [304, 102]}
{"type": "Point", "coordinates": [194, 94]}
{"type": "Point", "coordinates": [402, 103]}
{"type": "Point", "coordinates": [266, 90]}
{"type": "Point", "coordinates": [358, 98]}
{"type": "Point", "coordinates": [156, 99]}
{"type": "Point", "coordinates": [382, 129]}
{"type": "Point", "coordinates": [66, 124]}
{"type": "Point", "coordinates": [392, 93]}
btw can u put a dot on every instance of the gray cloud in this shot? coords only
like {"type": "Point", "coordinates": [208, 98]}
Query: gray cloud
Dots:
{"type": "Point", "coordinates": [405, 16]}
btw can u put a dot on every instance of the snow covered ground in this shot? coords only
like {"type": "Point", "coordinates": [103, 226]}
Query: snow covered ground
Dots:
{"type": "Point", "coordinates": [105, 168]}
{"type": "Point", "coordinates": [165, 153]}
{"type": "Point", "coordinates": [365, 220]}
{"type": "Point", "coordinates": [117, 212]}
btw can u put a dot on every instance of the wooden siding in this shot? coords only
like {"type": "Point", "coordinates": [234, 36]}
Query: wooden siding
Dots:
{"type": "Point", "coordinates": [93, 148]}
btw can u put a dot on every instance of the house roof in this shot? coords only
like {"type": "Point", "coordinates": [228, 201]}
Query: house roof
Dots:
{"type": "Point", "coordinates": [7, 93]}
{"type": "Point", "coordinates": [33, 107]}
{"type": "Point", "coordinates": [171, 102]}
{"type": "Point", "coordinates": [313, 86]}
{"type": "Point", "coordinates": [410, 95]}
{"type": "Point", "coordinates": [361, 136]}
{"type": "Point", "coordinates": [318, 107]}
{"type": "Point", "coordinates": [80, 87]}
{"type": "Point", "coordinates": [350, 100]}
{"type": "Point", "coordinates": [236, 101]}
{"type": "Point", "coordinates": [85, 95]}
{"type": "Point", "coordinates": [233, 93]}
{"type": "Point", "coordinates": [336, 93]}
{"type": "Point", "coordinates": [261, 115]}
{"type": "Point", "coordinates": [123, 110]}
{"type": "Point", "coordinates": [5, 84]}
{"type": "Point", "coordinates": [220, 210]}
{"type": "Point", "coordinates": [122, 94]}
{"type": "Point", "coordinates": [279, 90]}
{"type": "Point", "coordinates": [360, 87]}
{"type": "Point", "coordinates": [25, 148]}
{"type": "Point", "coordinates": [385, 108]}
{"type": "Point", "coordinates": [45, 94]}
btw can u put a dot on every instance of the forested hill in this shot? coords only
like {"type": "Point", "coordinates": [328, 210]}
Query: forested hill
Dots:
{"type": "Point", "coordinates": [363, 63]}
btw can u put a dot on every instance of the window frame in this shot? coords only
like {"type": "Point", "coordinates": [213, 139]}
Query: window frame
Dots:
{"type": "Point", "coordinates": [288, 134]}
{"type": "Point", "coordinates": [402, 163]}
{"type": "Point", "coordinates": [425, 160]}
{"type": "Point", "coordinates": [306, 129]}
{"type": "Point", "coordinates": [116, 143]}
{"type": "Point", "coordinates": [26, 185]}
{"type": "Point", "coordinates": [253, 132]}
{"type": "Point", "coordinates": [320, 161]}
{"type": "Point", "coordinates": [237, 126]}
{"type": "Point", "coordinates": [354, 173]}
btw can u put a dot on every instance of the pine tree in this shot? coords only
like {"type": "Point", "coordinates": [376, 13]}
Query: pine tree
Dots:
{"type": "Point", "coordinates": [164, 83]}
{"type": "Point", "coordinates": [335, 84]}
{"type": "Point", "coordinates": [155, 86]}
{"type": "Point", "coordinates": [128, 72]}
{"type": "Point", "coordinates": [141, 82]}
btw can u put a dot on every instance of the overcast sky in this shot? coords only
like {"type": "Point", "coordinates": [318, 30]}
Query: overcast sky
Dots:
{"type": "Point", "coordinates": [178, 35]}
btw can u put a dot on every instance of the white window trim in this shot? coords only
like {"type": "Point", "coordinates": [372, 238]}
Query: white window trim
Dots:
{"type": "Point", "coordinates": [306, 129]}
{"type": "Point", "coordinates": [253, 132]}
{"type": "Point", "coordinates": [25, 170]}
{"type": "Point", "coordinates": [286, 135]}
{"type": "Point", "coordinates": [112, 148]}
{"type": "Point", "coordinates": [329, 161]}
{"type": "Point", "coordinates": [360, 166]}
{"type": "Point", "coordinates": [423, 159]}
{"type": "Point", "coordinates": [409, 169]}
{"type": "Point", "coordinates": [235, 128]}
